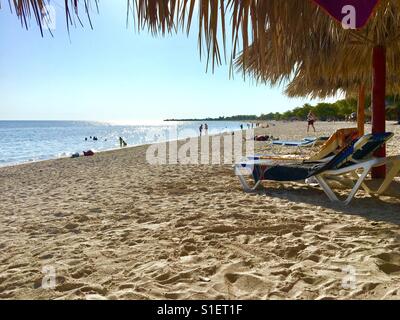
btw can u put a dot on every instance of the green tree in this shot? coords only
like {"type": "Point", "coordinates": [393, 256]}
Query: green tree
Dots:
{"type": "Point", "coordinates": [326, 111]}
{"type": "Point", "coordinates": [393, 106]}
{"type": "Point", "coordinates": [345, 107]}
{"type": "Point", "coordinates": [303, 112]}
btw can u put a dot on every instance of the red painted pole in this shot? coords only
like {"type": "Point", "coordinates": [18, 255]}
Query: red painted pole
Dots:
{"type": "Point", "coordinates": [378, 103]}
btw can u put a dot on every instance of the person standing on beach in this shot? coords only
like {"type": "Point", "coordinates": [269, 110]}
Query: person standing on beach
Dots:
{"type": "Point", "coordinates": [311, 120]}
{"type": "Point", "coordinates": [206, 129]}
{"type": "Point", "coordinates": [241, 127]}
{"type": "Point", "coordinates": [122, 143]}
{"type": "Point", "coordinates": [201, 129]}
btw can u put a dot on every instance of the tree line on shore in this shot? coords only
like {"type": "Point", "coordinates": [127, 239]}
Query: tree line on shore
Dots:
{"type": "Point", "coordinates": [340, 110]}
{"type": "Point", "coordinates": [337, 111]}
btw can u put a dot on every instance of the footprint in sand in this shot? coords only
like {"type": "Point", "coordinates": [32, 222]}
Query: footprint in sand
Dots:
{"type": "Point", "coordinates": [187, 249]}
{"type": "Point", "coordinates": [96, 210]}
{"type": "Point", "coordinates": [221, 229]}
{"type": "Point", "coordinates": [71, 226]}
{"type": "Point", "coordinates": [245, 282]}
{"type": "Point", "coordinates": [388, 263]}
{"type": "Point", "coordinates": [82, 272]}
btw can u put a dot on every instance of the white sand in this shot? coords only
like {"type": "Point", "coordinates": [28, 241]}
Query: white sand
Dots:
{"type": "Point", "coordinates": [115, 227]}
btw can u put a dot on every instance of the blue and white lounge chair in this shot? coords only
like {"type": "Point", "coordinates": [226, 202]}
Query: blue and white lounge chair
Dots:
{"type": "Point", "coordinates": [302, 143]}
{"type": "Point", "coordinates": [355, 160]}
{"type": "Point", "coordinates": [334, 144]}
{"type": "Point", "coordinates": [287, 143]}
{"type": "Point", "coordinates": [306, 142]}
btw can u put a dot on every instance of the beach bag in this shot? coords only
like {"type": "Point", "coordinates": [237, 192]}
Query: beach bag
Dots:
{"type": "Point", "coordinates": [88, 153]}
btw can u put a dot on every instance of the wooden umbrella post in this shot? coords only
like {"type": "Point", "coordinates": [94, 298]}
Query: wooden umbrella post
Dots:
{"type": "Point", "coordinates": [361, 111]}
{"type": "Point", "coordinates": [378, 103]}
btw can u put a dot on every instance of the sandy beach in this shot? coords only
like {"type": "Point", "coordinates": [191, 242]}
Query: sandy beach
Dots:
{"type": "Point", "coordinates": [113, 226]}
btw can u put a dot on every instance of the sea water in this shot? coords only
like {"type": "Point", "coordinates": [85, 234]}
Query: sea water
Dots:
{"type": "Point", "coordinates": [26, 141]}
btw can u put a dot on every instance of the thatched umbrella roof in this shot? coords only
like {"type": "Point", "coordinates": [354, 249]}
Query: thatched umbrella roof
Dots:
{"type": "Point", "coordinates": [353, 70]}
{"type": "Point", "coordinates": [307, 47]}
{"type": "Point", "coordinates": [318, 87]}
{"type": "Point", "coordinates": [289, 23]}
{"type": "Point", "coordinates": [323, 69]}
{"type": "Point", "coordinates": [249, 20]}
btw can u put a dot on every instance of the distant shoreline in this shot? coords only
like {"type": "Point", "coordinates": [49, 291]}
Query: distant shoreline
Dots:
{"type": "Point", "coordinates": [215, 120]}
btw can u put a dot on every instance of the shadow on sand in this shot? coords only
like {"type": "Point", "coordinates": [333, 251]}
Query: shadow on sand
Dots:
{"type": "Point", "coordinates": [384, 209]}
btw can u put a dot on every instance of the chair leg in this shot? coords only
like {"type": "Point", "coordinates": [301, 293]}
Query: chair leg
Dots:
{"type": "Point", "coordinates": [356, 176]}
{"type": "Point", "coordinates": [333, 197]}
{"type": "Point", "coordinates": [394, 170]}
{"type": "Point", "coordinates": [357, 185]}
{"type": "Point", "coordinates": [246, 187]}
{"type": "Point", "coordinates": [326, 188]}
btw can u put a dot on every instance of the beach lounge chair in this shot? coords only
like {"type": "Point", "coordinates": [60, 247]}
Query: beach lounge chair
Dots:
{"type": "Point", "coordinates": [355, 161]}
{"type": "Point", "coordinates": [336, 142]}
{"type": "Point", "coordinates": [302, 143]}
{"type": "Point", "coordinates": [306, 142]}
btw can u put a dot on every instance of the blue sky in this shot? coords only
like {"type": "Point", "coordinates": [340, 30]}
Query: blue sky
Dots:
{"type": "Point", "coordinates": [115, 73]}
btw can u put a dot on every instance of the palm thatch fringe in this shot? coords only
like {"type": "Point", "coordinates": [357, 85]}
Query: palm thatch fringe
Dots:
{"type": "Point", "coordinates": [276, 40]}
{"type": "Point", "coordinates": [26, 9]}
